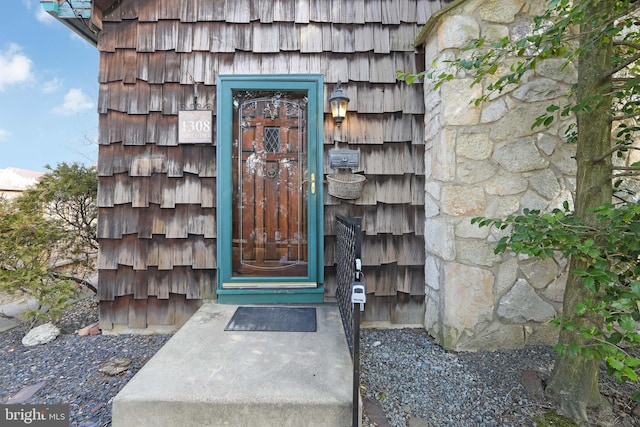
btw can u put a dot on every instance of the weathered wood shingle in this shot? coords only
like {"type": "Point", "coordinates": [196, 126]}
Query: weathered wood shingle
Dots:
{"type": "Point", "coordinates": [157, 224]}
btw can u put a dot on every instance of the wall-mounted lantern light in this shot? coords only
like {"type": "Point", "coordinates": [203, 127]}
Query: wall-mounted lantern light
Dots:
{"type": "Point", "coordinates": [338, 102]}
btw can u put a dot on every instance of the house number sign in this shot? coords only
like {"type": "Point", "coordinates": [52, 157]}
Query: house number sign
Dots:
{"type": "Point", "coordinates": [194, 127]}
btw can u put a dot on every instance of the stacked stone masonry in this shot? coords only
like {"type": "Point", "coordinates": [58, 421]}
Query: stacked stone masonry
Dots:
{"type": "Point", "coordinates": [487, 161]}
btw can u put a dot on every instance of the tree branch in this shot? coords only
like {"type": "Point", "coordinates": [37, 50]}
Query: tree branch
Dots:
{"type": "Point", "coordinates": [74, 279]}
{"type": "Point", "coordinates": [624, 117]}
{"type": "Point", "coordinates": [613, 150]}
{"type": "Point", "coordinates": [626, 174]}
{"type": "Point", "coordinates": [626, 43]}
{"type": "Point", "coordinates": [622, 65]}
{"type": "Point", "coordinates": [626, 168]}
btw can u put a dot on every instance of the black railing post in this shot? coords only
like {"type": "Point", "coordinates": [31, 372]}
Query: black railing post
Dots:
{"type": "Point", "coordinates": [350, 287]}
{"type": "Point", "coordinates": [356, 367]}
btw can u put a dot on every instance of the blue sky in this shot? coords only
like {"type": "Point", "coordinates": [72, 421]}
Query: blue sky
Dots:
{"type": "Point", "coordinates": [48, 90]}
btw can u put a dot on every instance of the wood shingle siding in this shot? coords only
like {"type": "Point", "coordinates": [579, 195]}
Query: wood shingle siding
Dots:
{"type": "Point", "coordinates": [157, 199]}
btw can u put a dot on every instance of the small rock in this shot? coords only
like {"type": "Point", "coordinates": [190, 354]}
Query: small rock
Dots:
{"type": "Point", "coordinates": [377, 343]}
{"type": "Point", "coordinates": [25, 394]}
{"type": "Point", "coordinates": [92, 329]}
{"type": "Point", "coordinates": [533, 384]}
{"type": "Point", "coordinates": [42, 334]}
{"type": "Point", "coordinates": [97, 407]}
{"type": "Point", "coordinates": [115, 366]}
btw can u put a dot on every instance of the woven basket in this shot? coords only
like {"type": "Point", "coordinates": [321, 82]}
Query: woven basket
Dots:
{"type": "Point", "coordinates": [346, 185]}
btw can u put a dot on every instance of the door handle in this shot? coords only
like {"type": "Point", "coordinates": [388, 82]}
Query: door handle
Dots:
{"type": "Point", "coordinates": [313, 183]}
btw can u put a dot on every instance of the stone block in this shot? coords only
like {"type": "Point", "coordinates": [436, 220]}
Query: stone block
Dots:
{"type": "Point", "coordinates": [478, 252]}
{"type": "Point", "coordinates": [431, 207]}
{"type": "Point", "coordinates": [443, 162]}
{"type": "Point", "coordinates": [539, 272]}
{"type": "Point", "coordinates": [556, 69]}
{"type": "Point", "coordinates": [541, 334]}
{"type": "Point", "coordinates": [517, 122]}
{"type": "Point", "coordinates": [506, 183]}
{"type": "Point", "coordinates": [468, 296]}
{"type": "Point", "coordinates": [458, 97]}
{"type": "Point", "coordinates": [458, 200]}
{"type": "Point", "coordinates": [541, 89]}
{"type": "Point", "coordinates": [474, 146]}
{"type": "Point", "coordinates": [493, 110]}
{"type": "Point", "coordinates": [465, 229]}
{"type": "Point", "coordinates": [500, 11]}
{"type": "Point", "coordinates": [432, 272]}
{"type": "Point", "coordinates": [493, 336]}
{"type": "Point", "coordinates": [531, 200]}
{"type": "Point", "coordinates": [495, 32]}
{"type": "Point", "coordinates": [439, 238]}
{"type": "Point", "coordinates": [546, 143]}
{"type": "Point", "coordinates": [507, 275]}
{"type": "Point", "coordinates": [522, 304]}
{"type": "Point", "coordinates": [545, 183]}
{"type": "Point", "coordinates": [564, 159]}
{"type": "Point", "coordinates": [520, 155]}
{"type": "Point", "coordinates": [432, 321]}
{"type": "Point", "coordinates": [555, 290]}
{"type": "Point", "coordinates": [457, 31]}
{"type": "Point", "coordinates": [475, 171]}
{"type": "Point", "coordinates": [503, 206]}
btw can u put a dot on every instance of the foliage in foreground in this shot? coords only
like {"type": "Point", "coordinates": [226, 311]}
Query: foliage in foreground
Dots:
{"type": "Point", "coordinates": [601, 38]}
{"type": "Point", "coordinates": [612, 275]}
{"type": "Point", "coordinates": [27, 257]}
{"type": "Point", "coordinates": [47, 239]}
{"type": "Point", "coordinates": [553, 419]}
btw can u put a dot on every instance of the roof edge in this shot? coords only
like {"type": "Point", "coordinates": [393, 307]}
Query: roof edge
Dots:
{"type": "Point", "coordinates": [431, 23]}
{"type": "Point", "coordinates": [83, 18]}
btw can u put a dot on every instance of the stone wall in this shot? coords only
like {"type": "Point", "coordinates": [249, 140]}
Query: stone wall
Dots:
{"type": "Point", "coordinates": [487, 161]}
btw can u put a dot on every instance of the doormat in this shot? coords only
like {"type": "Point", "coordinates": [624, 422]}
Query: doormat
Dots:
{"type": "Point", "coordinates": [273, 319]}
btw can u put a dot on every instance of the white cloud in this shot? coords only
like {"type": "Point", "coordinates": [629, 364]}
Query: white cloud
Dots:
{"type": "Point", "coordinates": [52, 85]}
{"type": "Point", "coordinates": [38, 11]}
{"type": "Point", "coordinates": [75, 101]}
{"type": "Point", "coordinates": [4, 135]}
{"type": "Point", "coordinates": [15, 66]}
{"type": "Point", "coordinates": [43, 16]}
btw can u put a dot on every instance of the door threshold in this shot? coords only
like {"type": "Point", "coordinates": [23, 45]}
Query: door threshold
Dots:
{"type": "Point", "coordinates": [269, 285]}
{"type": "Point", "coordinates": [290, 295]}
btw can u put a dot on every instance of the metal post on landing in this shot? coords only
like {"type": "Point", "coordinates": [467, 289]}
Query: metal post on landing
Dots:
{"type": "Point", "coordinates": [358, 297]}
{"type": "Point", "coordinates": [351, 291]}
{"type": "Point", "coordinates": [356, 368]}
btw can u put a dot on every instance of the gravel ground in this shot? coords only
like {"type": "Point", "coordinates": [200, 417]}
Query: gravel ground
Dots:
{"type": "Point", "coordinates": [404, 374]}
{"type": "Point", "coordinates": [69, 366]}
{"type": "Point", "coordinates": [417, 383]}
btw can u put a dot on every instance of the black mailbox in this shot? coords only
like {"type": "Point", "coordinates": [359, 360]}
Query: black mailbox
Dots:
{"type": "Point", "coordinates": [343, 158]}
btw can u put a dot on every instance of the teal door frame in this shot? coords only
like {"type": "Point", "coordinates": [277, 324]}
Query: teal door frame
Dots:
{"type": "Point", "coordinates": [244, 291]}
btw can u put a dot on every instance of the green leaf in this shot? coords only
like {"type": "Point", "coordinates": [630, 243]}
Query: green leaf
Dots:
{"type": "Point", "coordinates": [627, 323]}
{"type": "Point", "coordinates": [614, 363]}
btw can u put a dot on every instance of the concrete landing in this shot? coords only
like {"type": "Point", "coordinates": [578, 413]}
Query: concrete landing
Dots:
{"type": "Point", "coordinates": [205, 376]}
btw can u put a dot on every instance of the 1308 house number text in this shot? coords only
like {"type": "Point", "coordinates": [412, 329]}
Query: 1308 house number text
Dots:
{"type": "Point", "coordinates": [194, 127]}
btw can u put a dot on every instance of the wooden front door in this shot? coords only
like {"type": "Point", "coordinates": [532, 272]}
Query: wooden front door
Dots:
{"type": "Point", "coordinates": [269, 202]}
{"type": "Point", "coordinates": [270, 224]}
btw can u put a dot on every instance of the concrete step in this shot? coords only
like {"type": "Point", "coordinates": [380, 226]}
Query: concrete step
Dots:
{"type": "Point", "coordinates": [205, 376]}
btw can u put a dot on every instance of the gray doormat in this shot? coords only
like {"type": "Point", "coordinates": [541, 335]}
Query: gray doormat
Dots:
{"type": "Point", "coordinates": [273, 319]}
